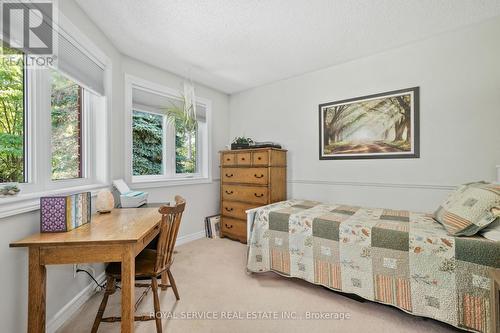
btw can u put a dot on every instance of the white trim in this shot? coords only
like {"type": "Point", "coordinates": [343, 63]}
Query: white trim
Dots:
{"type": "Point", "coordinates": [391, 185]}
{"type": "Point", "coordinates": [23, 203]}
{"type": "Point", "coordinates": [70, 308]}
{"type": "Point", "coordinates": [161, 182]}
{"type": "Point", "coordinates": [190, 237]}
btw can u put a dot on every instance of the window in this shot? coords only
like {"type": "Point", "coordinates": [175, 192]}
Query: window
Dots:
{"type": "Point", "coordinates": [50, 124]}
{"type": "Point", "coordinates": [151, 133]}
{"type": "Point", "coordinates": [163, 147]}
{"type": "Point", "coordinates": [67, 126]}
{"type": "Point", "coordinates": [12, 118]}
{"type": "Point", "coordinates": [53, 121]}
{"type": "Point", "coordinates": [147, 143]}
{"type": "Point", "coordinates": [185, 149]}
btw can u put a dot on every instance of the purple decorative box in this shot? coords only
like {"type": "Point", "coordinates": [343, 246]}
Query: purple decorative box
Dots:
{"type": "Point", "coordinates": [64, 213]}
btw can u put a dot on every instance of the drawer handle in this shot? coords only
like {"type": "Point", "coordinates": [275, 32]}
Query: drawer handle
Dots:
{"type": "Point", "coordinates": [257, 176]}
{"type": "Point", "coordinates": [228, 159]}
{"type": "Point", "coordinates": [229, 175]}
{"type": "Point", "coordinates": [259, 195]}
{"type": "Point", "coordinates": [242, 158]}
{"type": "Point", "coordinates": [228, 209]}
{"type": "Point", "coordinates": [229, 192]}
{"type": "Point", "coordinates": [228, 226]}
{"type": "Point", "coordinates": [259, 158]}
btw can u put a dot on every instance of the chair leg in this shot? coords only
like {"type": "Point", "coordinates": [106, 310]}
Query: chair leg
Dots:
{"type": "Point", "coordinates": [164, 281]}
{"type": "Point", "coordinates": [110, 285]}
{"type": "Point", "coordinates": [172, 283]}
{"type": "Point", "coordinates": [156, 301]}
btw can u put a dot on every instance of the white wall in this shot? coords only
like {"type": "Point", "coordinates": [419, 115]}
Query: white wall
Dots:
{"type": "Point", "coordinates": [459, 78]}
{"type": "Point", "coordinates": [202, 200]}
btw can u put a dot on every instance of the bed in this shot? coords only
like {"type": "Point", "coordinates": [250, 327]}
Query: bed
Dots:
{"type": "Point", "coordinates": [400, 258]}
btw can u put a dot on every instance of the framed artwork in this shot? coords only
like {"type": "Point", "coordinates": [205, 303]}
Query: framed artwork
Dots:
{"type": "Point", "coordinates": [212, 226]}
{"type": "Point", "coordinates": [383, 125]}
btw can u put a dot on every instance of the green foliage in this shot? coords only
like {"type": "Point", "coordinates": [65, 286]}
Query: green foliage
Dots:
{"type": "Point", "coordinates": [66, 131]}
{"type": "Point", "coordinates": [242, 140]}
{"type": "Point", "coordinates": [186, 128]}
{"type": "Point", "coordinates": [11, 117]}
{"type": "Point", "coordinates": [185, 148]}
{"type": "Point", "coordinates": [147, 135]}
{"type": "Point", "coordinates": [147, 142]}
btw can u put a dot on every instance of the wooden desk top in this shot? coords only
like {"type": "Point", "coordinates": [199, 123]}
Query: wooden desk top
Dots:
{"type": "Point", "coordinates": [125, 225]}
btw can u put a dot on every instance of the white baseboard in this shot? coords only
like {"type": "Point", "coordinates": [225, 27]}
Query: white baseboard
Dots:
{"type": "Point", "coordinates": [72, 306]}
{"type": "Point", "coordinates": [83, 296]}
{"type": "Point", "coordinates": [190, 237]}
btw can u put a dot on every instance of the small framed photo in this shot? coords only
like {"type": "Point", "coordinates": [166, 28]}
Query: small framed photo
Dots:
{"type": "Point", "coordinates": [212, 226]}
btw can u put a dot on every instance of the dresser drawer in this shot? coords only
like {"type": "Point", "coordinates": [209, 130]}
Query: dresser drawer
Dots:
{"type": "Point", "coordinates": [245, 175]}
{"type": "Point", "coordinates": [234, 227]}
{"type": "Point", "coordinates": [250, 194]}
{"type": "Point", "coordinates": [236, 209]}
{"type": "Point", "coordinates": [260, 158]}
{"type": "Point", "coordinates": [243, 158]}
{"type": "Point", "coordinates": [228, 159]}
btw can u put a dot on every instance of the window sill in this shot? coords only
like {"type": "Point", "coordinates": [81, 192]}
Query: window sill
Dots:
{"type": "Point", "coordinates": [152, 183]}
{"type": "Point", "coordinates": [27, 202]}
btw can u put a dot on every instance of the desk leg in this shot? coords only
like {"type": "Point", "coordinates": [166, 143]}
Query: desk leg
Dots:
{"type": "Point", "coordinates": [36, 292]}
{"type": "Point", "coordinates": [128, 282]}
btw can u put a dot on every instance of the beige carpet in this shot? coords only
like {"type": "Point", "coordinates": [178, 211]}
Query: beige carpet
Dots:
{"type": "Point", "coordinates": [212, 280]}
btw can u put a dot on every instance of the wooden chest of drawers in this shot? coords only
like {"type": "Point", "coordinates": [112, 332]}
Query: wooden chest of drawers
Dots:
{"type": "Point", "coordinates": [249, 178]}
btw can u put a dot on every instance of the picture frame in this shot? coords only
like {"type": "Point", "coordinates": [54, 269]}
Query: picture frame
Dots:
{"type": "Point", "coordinates": [212, 226]}
{"type": "Point", "coordinates": [378, 126]}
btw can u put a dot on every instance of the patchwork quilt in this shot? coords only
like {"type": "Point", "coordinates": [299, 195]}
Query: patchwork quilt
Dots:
{"type": "Point", "coordinates": [395, 257]}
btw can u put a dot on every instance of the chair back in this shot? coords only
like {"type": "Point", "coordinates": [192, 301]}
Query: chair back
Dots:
{"type": "Point", "coordinates": [170, 222]}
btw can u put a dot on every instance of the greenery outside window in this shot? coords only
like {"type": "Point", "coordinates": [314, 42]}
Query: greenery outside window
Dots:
{"type": "Point", "coordinates": [147, 143]}
{"type": "Point", "coordinates": [12, 118]}
{"type": "Point", "coordinates": [67, 127]}
{"type": "Point", "coordinates": [151, 153]}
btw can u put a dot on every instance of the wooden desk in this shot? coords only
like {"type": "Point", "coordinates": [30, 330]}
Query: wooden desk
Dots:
{"type": "Point", "coordinates": [115, 237]}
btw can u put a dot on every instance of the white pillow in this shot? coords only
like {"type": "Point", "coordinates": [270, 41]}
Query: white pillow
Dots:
{"type": "Point", "coordinates": [492, 231]}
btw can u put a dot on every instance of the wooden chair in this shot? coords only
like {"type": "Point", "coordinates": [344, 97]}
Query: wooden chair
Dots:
{"type": "Point", "coordinates": [149, 264]}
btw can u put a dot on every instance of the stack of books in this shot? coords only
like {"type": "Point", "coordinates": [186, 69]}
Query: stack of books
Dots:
{"type": "Point", "coordinates": [212, 226]}
{"type": "Point", "coordinates": [64, 213]}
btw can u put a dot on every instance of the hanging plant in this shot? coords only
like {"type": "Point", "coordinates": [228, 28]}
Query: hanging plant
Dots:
{"type": "Point", "coordinates": [185, 116]}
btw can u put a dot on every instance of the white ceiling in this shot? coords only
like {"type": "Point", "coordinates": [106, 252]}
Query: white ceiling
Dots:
{"type": "Point", "coordinates": [233, 45]}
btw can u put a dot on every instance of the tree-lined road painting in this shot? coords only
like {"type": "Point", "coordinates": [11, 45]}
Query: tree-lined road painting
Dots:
{"type": "Point", "coordinates": [372, 126]}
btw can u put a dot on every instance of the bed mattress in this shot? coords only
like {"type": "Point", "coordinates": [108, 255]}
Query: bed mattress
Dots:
{"type": "Point", "coordinates": [396, 257]}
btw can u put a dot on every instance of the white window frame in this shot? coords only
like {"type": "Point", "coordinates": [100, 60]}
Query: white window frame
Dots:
{"type": "Point", "coordinates": [169, 177]}
{"type": "Point", "coordinates": [37, 135]}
